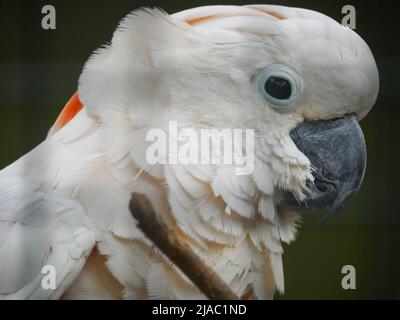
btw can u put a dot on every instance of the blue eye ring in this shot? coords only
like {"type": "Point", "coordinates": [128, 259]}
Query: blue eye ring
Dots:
{"type": "Point", "coordinates": [282, 82]}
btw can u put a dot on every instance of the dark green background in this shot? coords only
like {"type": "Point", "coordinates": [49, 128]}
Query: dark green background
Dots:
{"type": "Point", "coordinates": [39, 71]}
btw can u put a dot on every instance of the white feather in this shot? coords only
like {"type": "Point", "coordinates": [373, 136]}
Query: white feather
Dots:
{"type": "Point", "coordinates": [195, 67]}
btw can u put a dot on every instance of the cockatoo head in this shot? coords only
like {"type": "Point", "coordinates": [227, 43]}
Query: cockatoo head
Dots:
{"type": "Point", "coordinates": [296, 77]}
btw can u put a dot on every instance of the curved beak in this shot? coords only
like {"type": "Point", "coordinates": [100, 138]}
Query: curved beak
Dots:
{"type": "Point", "coordinates": [337, 152]}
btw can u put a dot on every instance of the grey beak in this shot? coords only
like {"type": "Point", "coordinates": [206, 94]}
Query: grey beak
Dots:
{"type": "Point", "coordinates": [336, 149]}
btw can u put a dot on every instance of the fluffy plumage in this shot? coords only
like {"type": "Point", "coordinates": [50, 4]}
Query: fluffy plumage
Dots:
{"type": "Point", "coordinates": [196, 67]}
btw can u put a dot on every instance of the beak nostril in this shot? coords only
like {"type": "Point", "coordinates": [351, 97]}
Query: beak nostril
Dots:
{"type": "Point", "coordinates": [321, 187]}
{"type": "Point", "coordinates": [325, 186]}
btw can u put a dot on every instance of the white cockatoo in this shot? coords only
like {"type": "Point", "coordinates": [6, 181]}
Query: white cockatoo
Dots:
{"type": "Point", "coordinates": [298, 79]}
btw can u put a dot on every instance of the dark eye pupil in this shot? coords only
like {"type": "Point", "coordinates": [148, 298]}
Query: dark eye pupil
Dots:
{"type": "Point", "coordinates": [278, 88]}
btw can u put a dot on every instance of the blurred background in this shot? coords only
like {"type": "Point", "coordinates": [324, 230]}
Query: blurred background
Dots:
{"type": "Point", "coordinates": [39, 70]}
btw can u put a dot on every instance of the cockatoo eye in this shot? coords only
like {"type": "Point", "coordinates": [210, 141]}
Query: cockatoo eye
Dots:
{"type": "Point", "coordinates": [280, 87]}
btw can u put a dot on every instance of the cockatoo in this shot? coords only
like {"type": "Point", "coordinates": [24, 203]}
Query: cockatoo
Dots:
{"type": "Point", "coordinates": [297, 78]}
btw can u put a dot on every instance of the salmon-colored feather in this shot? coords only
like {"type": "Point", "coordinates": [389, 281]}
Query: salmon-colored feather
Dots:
{"type": "Point", "coordinates": [71, 109]}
